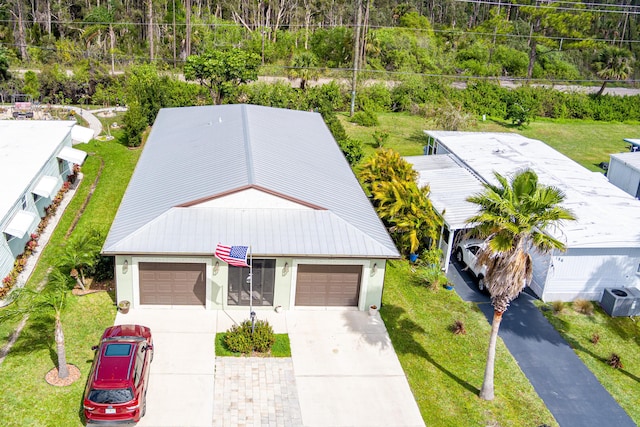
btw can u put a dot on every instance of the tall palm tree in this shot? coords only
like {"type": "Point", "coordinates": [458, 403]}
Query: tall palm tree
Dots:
{"type": "Point", "coordinates": [513, 218]}
{"type": "Point", "coordinates": [613, 63]}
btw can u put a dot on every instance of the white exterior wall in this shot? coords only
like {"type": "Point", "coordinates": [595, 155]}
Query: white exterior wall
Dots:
{"type": "Point", "coordinates": [584, 273]}
{"type": "Point", "coordinates": [624, 176]}
{"type": "Point", "coordinates": [128, 285]}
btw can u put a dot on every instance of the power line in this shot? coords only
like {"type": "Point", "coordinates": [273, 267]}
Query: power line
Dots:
{"type": "Point", "coordinates": [568, 9]}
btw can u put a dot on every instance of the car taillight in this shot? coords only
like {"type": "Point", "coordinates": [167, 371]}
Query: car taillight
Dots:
{"type": "Point", "coordinates": [89, 408]}
{"type": "Point", "coordinates": [132, 408]}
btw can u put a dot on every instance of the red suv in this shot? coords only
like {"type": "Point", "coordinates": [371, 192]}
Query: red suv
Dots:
{"type": "Point", "coordinates": [117, 385]}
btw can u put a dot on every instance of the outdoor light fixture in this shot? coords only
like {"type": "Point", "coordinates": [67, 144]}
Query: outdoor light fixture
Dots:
{"type": "Point", "coordinates": [125, 266]}
{"type": "Point", "coordinates": [285, 269]}
{"type": "Point", "coordinates": [216, 268]}
{"type": "Point", "coordinates": [374, 269]}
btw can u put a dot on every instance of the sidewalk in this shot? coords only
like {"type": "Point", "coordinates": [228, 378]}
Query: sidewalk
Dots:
{"type": "Point", "coordinates": [572, 393]}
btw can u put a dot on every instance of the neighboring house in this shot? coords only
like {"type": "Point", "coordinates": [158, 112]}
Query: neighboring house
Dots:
{"type": "Point", "coordinates": [36, 157]}
{"type": "Point", "coordinates": [268, 178]}
{"type": "Point", "coordinates": [603, 244]}
{"type": "Point", "coordinates": [624, 172]}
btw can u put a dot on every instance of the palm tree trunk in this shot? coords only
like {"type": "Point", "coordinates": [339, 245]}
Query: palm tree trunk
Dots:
{"type": "Point", "coordinates": [486, 392]}
{"type": "Point", "coordinates": [63, 371]}
{"type": "Point", "coordinates": [601, 91]}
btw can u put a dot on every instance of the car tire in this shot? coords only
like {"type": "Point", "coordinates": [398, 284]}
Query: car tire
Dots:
{"type": "Point", "coordinates": [459, 256]}
{"type": "Point", "coordinates": [481, 286]}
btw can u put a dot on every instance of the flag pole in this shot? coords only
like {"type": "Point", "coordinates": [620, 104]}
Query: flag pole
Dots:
{"type": "Point", "coordinates": [252, 314]}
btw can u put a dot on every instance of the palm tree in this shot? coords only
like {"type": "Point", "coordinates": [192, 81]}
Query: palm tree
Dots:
{"type": "Point", "coordinates": [80, 254]}
{"type": "Point", "coordinates": [513, 218]}
{"type": "Point", "coordinates": [305, 67]}
{"type": "Point", "coordinates": [52, 298]}
{"type": "Point", "coordinates": [613, 63]}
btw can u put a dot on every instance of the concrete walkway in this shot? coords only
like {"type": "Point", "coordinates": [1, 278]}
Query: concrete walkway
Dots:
{"type": "Point", "coordinates": [343, 372]}
{"type": "Point", "coordinates": [572, 393]}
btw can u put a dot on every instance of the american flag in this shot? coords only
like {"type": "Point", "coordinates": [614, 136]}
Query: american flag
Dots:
{"type": "Point", "coordinates": [233, 255]}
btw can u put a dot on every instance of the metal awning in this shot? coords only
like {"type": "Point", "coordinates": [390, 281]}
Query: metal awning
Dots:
{"type": "Point", "coordinates": [22, 222]}
{"type": "Point", "coordinates": [72, 155]}
{"type": "Point", "coordinates": [46, 186]}
{"type": "Point", "coordinates": [81, 134]}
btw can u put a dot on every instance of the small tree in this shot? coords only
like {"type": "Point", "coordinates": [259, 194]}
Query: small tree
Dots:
{"type": "Point", "coordinates": [222, 71]}
{"type": "Point", "coordinates": [79, 255]}
{"type": "Point", "coordinates": [304, 66]}
{"type": "Point", "coordinates": [613, 63]}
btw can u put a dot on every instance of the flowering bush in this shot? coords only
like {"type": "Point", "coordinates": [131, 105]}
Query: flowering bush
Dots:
{"type": "Point", "coordinates": [34, 236]}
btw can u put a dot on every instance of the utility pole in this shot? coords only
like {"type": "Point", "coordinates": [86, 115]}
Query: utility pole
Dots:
{"type": "Point", "coordinates": [356, 55]}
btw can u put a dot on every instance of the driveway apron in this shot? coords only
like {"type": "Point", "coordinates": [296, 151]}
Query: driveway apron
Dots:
{"type": "Point", "coordinates": [181, 380]}
{"type": "Point", "coordinates": [572, 393]}
{"type": "Point", "coordinates": [347, 372]}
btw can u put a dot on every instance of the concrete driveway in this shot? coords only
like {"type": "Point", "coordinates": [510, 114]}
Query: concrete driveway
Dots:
{"type": "Point", "coordinates": [345, 372]}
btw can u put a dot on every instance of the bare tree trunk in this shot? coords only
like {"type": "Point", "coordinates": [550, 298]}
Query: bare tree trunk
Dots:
{"type": "Point", "coordinates": [601, 91]}
{"type": "Point", "coordinates": [150, 29]}
{"type": "Point", "coordinates": [112, 37]}
{"type": "Point", "coordinates": [48, 17]}
{"type": "Point", "coordinates": [63, 371]}
{"type": "Point", "coordinates": [487, 391]}
{"type": "Point", "coordinates": [20, 37]}
{"type": "Point", "coordinates": [188, 27]}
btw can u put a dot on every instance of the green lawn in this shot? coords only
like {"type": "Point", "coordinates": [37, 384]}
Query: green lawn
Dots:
{"type": "Point", "coordinates": [445, 370]}
{"type": "Point", "coordinates": [586, 142]}
{"type": "Point", "coordinates": [620, 335]}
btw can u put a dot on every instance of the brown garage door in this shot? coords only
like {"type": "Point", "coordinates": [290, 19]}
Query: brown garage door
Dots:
{"type": "Point", "coordinates": [328, 285]}
{"type": "Point", "coordinates": [172, 283]}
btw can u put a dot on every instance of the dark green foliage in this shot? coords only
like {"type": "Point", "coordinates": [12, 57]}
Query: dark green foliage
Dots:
{"type": "Point", "coordinates": [241, 339]}
{"type": "Point", "coordinates": [103, 269]}
{"type": "Point", "coordinates": [351, 148]}
{"type": "Point", "coordinates": [521, 107]}
{"type": "Point", "coordinates": [376, 98]}
{"type": "Point", "coordinates": [333, 45]}
{"type": "Point", "coordinates": [135, 122]}
{"type": "Point", "coordinates": [365, 118]}
{"type": "Point", "coordinates": [4, 64]}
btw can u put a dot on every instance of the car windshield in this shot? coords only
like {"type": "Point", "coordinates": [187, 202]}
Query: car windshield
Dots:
{"type": "Point", "coordinates": [114, 395]}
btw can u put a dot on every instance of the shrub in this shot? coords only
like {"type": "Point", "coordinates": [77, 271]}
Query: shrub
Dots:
{"type": "Point", "coordinates": [558, 307]}
{"type": "Point", "coordinates": [583, 306]}
{"type": "Point", "coordinates": [458, 328]}
{"type": "Point", "coordinates": [365, 118]}
{"type": "Point", "coordinates": [240, 339]}
{"type": "Point", "coordinates": [380, 137]}
{"type": "Point", "coordinates": [615, 361]}
{"type": "Point", "coordinates": [595, 338]}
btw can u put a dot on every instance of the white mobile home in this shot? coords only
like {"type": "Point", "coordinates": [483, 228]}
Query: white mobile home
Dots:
{"type": "Point", "coordinates": [603, 245]}
{"type": "Point", "coordinates": [36, 157]}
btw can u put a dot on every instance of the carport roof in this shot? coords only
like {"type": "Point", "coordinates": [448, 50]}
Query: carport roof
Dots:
{"type": "Point", "coordinates": [197, 154]}
{"type": "Point", "coordinates": [607, 217]}
{"type": "Point", "coordinates": [450, 184]}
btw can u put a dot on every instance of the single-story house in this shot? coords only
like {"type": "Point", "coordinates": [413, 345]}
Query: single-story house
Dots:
{"type": "Point", "coordinates": [624, 172]}
{"type": "Point", "coordinates": [244, 175]}
{"type": "Point", "coordinates": [603, 244]}
{"type": "Point", "coordinates": [36, 157]}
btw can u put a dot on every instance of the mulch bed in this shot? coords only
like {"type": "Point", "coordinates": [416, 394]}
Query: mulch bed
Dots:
{"type": "Point", "coordinates": [94, 287]}
{"type": "Point", "coordinates": [52, 376]}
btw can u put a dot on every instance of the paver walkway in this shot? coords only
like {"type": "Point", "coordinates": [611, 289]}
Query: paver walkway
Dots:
{"type": "Point", "coordinates": [572, 393]}
{"type": "Point", "coordinates": [255, 391]}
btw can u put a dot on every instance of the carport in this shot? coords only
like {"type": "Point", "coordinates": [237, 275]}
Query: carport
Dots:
{"type": "Point", "coordinates": [450, 183]}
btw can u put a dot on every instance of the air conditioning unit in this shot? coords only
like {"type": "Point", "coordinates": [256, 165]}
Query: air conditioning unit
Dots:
{"type": "Point", "coordinates": [619, 302]}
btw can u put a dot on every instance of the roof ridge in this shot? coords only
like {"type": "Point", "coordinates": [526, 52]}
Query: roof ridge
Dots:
{"type": "Point", "coordinates": [247, 145]}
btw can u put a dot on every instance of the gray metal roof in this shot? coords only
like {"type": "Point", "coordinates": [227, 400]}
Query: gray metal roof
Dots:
{"type": "Point", "coordinates": [450, 184]}
{"type": "Point", "coordinates": [607, 217]}
{"type": "Point", "coordinates": [197, 154]}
